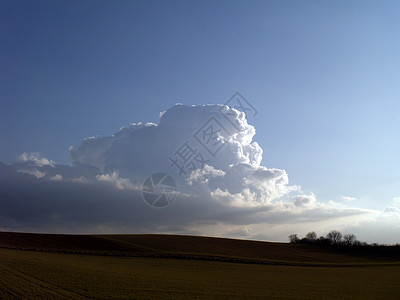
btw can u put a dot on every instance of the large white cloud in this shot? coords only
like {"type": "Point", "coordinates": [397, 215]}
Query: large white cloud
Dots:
{"type": "Point", "coordinates": [143, 148]}
{"type": "Point", "coordinates": [222, 188]}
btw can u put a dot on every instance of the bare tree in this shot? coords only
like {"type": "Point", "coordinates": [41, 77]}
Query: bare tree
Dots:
{"type": "Point", "coordinates": [293, 238]}
{"type": "Point", "coordinates": [334, 237]}
{"type": "Point", "coordinates": [311, 236]}
{"type": "Point", "coordinates": [349, 239]}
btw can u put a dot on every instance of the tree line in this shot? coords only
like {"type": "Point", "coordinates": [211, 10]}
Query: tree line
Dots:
{"type": "Point", "coordinates": [333, 237]}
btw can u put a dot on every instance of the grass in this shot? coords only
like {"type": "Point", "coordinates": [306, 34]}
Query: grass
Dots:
{"type": "Point", "coordinates": [303, 273]}
{"type": "Point", "coordinates": [28, 274]}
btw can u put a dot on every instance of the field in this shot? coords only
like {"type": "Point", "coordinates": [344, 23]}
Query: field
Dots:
{"type": "Point", "coordinates": [186, 267]}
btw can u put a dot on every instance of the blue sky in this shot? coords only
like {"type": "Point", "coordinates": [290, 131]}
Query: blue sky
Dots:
{"type": "Point", "coordinates": [323, 75]}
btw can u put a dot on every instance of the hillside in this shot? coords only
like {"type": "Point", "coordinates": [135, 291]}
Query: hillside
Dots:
{"type": "Point", "coordinates": [182, 246]}
{"type": "Point", "coordinates": [153, 266]}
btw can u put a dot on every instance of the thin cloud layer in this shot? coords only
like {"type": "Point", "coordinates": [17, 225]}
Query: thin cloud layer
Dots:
{"type": "Point", "coordinates": [209, 151]}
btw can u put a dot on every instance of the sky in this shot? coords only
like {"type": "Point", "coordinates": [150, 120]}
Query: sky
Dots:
{"type": "Point", "coordinates": [322, 76]}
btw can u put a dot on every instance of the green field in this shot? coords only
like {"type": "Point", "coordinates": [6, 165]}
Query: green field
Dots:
{"type": "Point", "coordinates": [203, 274]}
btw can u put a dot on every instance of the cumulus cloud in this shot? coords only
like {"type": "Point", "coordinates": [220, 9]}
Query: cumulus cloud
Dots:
{"type": "Point", "coordinates": [348, 199]}
{"type": "Point", "coordinates": [57, 177]}
{"type": "Point", "coordinates": [34, 159]}
{"type": "Point", "coordinates": [209, 151]}
{"type": "Point", "coordinates": [393, 209]}
{"type": "Point", "coordinates": [120, 183]}
{"type": "Point", "coordinates": [305, 201]}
